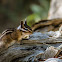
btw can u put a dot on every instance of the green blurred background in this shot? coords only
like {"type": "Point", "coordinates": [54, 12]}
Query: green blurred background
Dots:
{"type": "Point", "coordinates": [13, 11]}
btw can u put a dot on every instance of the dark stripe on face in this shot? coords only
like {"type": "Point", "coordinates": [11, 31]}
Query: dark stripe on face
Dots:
{"type": "Point", "coordinates": [27, 27]}
{"type": "Point", "coordinates": [21, 24]}
{"type": "Point", "coordinates": [25, 30]}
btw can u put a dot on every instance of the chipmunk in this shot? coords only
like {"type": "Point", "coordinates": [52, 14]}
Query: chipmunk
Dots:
{"type": "Point", "coordinates": [11, 35]}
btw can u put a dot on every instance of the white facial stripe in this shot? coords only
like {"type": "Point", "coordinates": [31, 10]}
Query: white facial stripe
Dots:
{"type": "Point", "coordinates": [18, 27]}
{"type": "Point", "coordinates": [23, 29]}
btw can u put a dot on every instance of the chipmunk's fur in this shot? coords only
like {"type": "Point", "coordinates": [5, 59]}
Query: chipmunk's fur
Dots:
{"type": "Point", "coordinates": [10, 36]}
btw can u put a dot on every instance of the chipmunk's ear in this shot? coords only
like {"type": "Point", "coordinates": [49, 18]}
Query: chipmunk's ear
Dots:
{"type": "Point", "coordinates": [25, 22]}
{"type": "Point", "coordinates": [22, 24]}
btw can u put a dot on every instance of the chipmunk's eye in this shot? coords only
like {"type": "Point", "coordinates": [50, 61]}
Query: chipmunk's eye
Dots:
{"type": "Point", "coordinates": [26, 29]}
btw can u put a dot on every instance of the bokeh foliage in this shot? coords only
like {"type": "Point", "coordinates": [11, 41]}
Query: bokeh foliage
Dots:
{"type": "Point", "coordinates": [12, 11]}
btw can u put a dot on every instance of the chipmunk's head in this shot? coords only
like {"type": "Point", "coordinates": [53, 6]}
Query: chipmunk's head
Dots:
{"type": "Point", "coordinates": [26, 30]}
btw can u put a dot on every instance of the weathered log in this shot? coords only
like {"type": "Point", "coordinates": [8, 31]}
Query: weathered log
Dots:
{"type": "Point", "coordinates": [29, 49]}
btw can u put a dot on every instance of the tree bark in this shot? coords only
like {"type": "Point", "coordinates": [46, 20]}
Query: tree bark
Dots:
{"type": "Point", "coordinates": [55, 9]}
